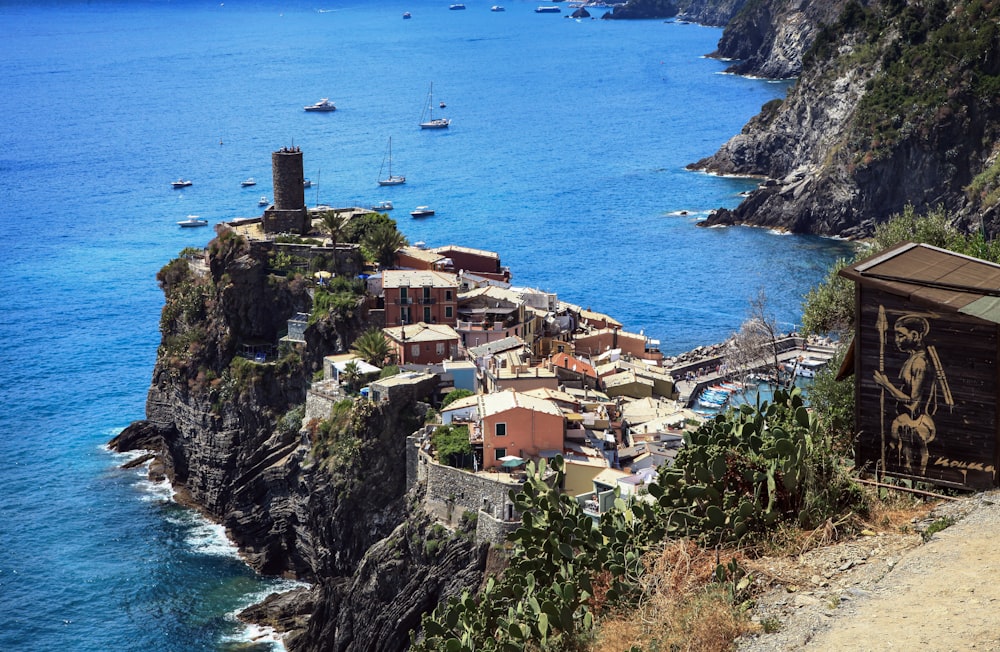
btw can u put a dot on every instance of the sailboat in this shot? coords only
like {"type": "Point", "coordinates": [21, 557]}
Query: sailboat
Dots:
{"type": "Point", "coordinates": [432, 122]}
{"type": "Point", "coordinates": [390, 180]}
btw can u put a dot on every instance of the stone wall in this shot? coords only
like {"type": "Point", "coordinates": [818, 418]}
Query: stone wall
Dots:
{"type": "Point", "coordinates": [287, 176]}
{"type": "Point", "coordinates": [493, 531]}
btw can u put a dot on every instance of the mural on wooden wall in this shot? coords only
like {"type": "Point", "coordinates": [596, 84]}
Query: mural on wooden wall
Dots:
{"type": "Point", "coordinates": [927, 393]}
{"type": "Point", "coordinates": [920, 389]}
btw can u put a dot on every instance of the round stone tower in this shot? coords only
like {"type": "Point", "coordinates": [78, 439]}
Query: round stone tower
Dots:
{"type": "Point", "coordinates": [286, 170]}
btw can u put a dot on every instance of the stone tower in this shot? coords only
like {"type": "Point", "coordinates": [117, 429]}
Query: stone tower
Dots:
{"type": "Point", "coordinates": [288, 214]}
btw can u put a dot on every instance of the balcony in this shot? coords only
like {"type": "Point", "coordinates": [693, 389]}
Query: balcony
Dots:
{"type": "Point", "coordinates": [404, 301]}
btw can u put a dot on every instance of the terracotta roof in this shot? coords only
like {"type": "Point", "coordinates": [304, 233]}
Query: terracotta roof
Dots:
{"type": "Point", "coordinates": [933, 277]}
{"type": "Point", "coordinates": [573, 364]}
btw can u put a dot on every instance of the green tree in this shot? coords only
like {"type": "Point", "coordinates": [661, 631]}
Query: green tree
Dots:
{"type": "Point", "coordinates": [372, 347]}
{"type": "Point", "coordinates": [382, 242]}
{"type": "Point", "coordinates": [454, 395]}
{"type": "Point", "coordinates": [829, 307]}
{"type": "Point", "coordinates": [451, 444]}
{"type": "Point", "coordinates": [351, 376]}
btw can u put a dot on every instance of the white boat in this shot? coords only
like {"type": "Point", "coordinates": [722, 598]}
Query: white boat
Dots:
{"type": "Point", "coordinates": [391, 180]}
{"type": "Point", "coordinates": [248, 182]}
{"type": "Point", "coordinates": [263, 201]}
{"type": "Point", "coordinates": [809, 367]}
{"type": "Point", "coordinates": [457, 6]}
{"type": "Point", "coordinates": [548, 10]}
{"type": "Point", "coordinates": [324, 105]}
{"type": "Point", "coordinates": [180, 183]}
{"type": "Point", "coordinates": [192, 220]}
{"type": "Point", "coordinates": [382, 206]}
{"type": "Point", "coordinates": [306, 183]}
{"type": "Point", "coordinates": [497, 8]}
{"type": "Point", "coordinates": [422, 211]}
{"type": "Point", "coordinates": [406, 15]}
{"type": "Point", "coordinates": [431, 122]}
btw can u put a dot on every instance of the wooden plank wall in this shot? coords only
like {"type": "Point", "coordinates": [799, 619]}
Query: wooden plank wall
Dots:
{"type": "Point", "coordinates": [963, 447]}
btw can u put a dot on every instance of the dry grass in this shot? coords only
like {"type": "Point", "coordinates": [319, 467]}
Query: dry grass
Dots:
{"type": "Point", "coordinates": [682, 608]}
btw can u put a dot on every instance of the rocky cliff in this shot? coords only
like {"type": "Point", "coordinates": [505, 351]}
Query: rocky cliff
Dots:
{"type": "Point", "coordinates": [896, 105]}
{"type": "Point", "coordinates": [325, 504]}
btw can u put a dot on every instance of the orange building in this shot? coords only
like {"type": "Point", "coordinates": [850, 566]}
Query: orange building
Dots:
{"type": "Point", "coordinates": [519, 424]}
{"type": "Point", "coordinates": [419, 295]}
{"type": "Point", "coordinates": [422, 343]}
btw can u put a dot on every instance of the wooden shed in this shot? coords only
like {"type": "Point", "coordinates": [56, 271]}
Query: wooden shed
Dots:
{"type": "Point", "coordinates": [925, 363]}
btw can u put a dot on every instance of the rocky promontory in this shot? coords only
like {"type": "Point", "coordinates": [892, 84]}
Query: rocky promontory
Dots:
{"type": "Point", "coordinates": [326, 505]}
{"type": "Point", "coordinates": [895, 107]}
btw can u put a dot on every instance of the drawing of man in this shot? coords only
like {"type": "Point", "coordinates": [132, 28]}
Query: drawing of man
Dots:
{"type": "Point", "coordinates": [921, 380]}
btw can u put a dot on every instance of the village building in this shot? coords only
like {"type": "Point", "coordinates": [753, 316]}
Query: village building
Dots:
{"type": "Point", "coordinates": [410, 296]}
{"type": "Point", "coordinates": [477, 261]}
{"type": "Point", "coordinates": [574, 371]}
{"type": "Point", "coordinates": [422, 343]}
{"type": "Point", "coordinates": [515, 424]}
{"type": "Point", "coordinates": [924, 359]}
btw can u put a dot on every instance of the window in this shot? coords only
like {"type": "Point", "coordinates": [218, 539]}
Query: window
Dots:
{"type": "Point", "coordinates": [403, 293]}
{"type": "Point", "coordinates": [427, 314]}
{"type": "Point", "coordinates": [415, 350]}
{"type": "Point", "coordinates": [440, 348]}
{"type": "Point", "coordinates": [447, 295]}
{"type": "Point", "coordinates": [427, 292]}
{"type": "Point", "coordinates": [498, 453]}
{"type": "Point", "coordinates": [447, 312]}
{"type": "Point", "coordinates": [500, 429]}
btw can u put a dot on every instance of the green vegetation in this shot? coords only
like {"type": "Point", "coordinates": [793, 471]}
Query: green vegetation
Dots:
{"type": "Point", "coordinates": [937, 526]}
{"type": "Point", "coordinates": [451, 445]}
{"type": "Point", "coordinates": [737, 476]}
{"type": "Point", "coordinates": [372, 347]}
{"type": "Point", "coordinates": [340, 298]}
{"type": "Point", "coordinates": [337, 440]}
{"type": "Point", "coordinates": [929, 67]}
{"type": "Point", "coordinates": [454, 395]}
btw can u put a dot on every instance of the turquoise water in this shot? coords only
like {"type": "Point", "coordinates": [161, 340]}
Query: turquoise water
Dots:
{"type": "Point", "coordinates": [566, 155]}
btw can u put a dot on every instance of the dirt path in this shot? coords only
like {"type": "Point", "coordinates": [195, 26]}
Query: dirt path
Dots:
{"type": "Point", "coordinates": [892, 592]}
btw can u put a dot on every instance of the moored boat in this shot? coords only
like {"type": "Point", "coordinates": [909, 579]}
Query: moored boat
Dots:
{"type": "Point", "coordinates": [422, 211]}
{"type": "Point", "coordinates": [180, 183]}
{"type": "Point", "coordinates": [382, 206]}
{"type": "Point", "coordinates": [191, 221]}
{"type": "Point", "coordinates": [497, 8]}
{"type": "Point", "coordinates": [432, 122]}
{"type": "Point", "coordinates": [248, 182]}
{"type": "Point", "coordinates": [323, 106]}
{"type": "Point", "coordinates": [548, 10]}
{"type": "Point", "coordinates": [263, 201]}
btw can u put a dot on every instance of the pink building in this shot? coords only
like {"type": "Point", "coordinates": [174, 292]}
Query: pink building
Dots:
{"type": "Point", "coordinates": [519, 424]}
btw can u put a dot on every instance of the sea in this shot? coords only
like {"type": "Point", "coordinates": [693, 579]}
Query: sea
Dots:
{"type": "Point", "coordinates": [566, 154]}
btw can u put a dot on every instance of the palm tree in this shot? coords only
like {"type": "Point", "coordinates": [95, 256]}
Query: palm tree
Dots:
{"type": "Point", "coordinates": [352, 376]}
{"type": "Point", "coordinates": [334, 225]}
{"type": "Point", "coordinates": [372, 347]}
{"type": "Point", "coordinates": [383, 241]}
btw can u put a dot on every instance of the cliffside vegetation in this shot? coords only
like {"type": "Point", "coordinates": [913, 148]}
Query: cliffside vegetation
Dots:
{"type": "Point", "coordinates": [738, 477]}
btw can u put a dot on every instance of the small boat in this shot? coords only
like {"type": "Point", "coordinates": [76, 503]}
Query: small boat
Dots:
{"type": "Point", "coordinates": [457, 6]}
{"type": "Point", "coordinates": [263, 201]}
{"type": "Point", "coordinates": [324, 106]}
{"type": "Point", "coordinates": [432, 122]}
{"type": "Point", "coordinates": [497, 8]}
{"type": "Point", "coordinates": [406, 15]}
{"type": "Point", "coordinates": [548, 10]}
{"type": "Point", "coordinates": [391, 180]}
{"type": "Point", "coordinates": [248, 182]}
{"type": "Point", "coordinates": [192, 220]}
{"type": "Point", "coordinates": [306, 183]}
{"type": "Point", "coordinates": [180, 183]}
{"type": "Point", "coordinates": [382, 206]}
{"type": "Point", "coordinates": [422, 211]}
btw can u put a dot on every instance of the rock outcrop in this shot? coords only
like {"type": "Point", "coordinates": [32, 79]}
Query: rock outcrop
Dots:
{"type": "Point", "coordinates": [328, 508]}
{"type": "Point", "coordinates": [895, 107]}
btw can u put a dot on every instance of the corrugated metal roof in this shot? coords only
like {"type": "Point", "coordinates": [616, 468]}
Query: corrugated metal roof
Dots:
{"type": "Point", "coordinates": [934, 277]}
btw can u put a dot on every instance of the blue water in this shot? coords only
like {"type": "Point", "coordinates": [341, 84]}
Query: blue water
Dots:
{"type": "Point", "coordinates": [566, 155]}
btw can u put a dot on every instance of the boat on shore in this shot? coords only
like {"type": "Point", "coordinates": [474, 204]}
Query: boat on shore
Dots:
{"type": "Point", "coordinates": [431, 122]}
{"type": "Point", "coordinates": [422, 211]}
{"type": "Point", "coordinates": [323, 106]}
{"type": "Point", "coordinates": [391, 180]}
{"type": "Point", "coordinates": [180, 183]}
{"type": "Point", "coordinates": [192, 221]}
{"type": "Point", "coordinates": [248, 182]}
